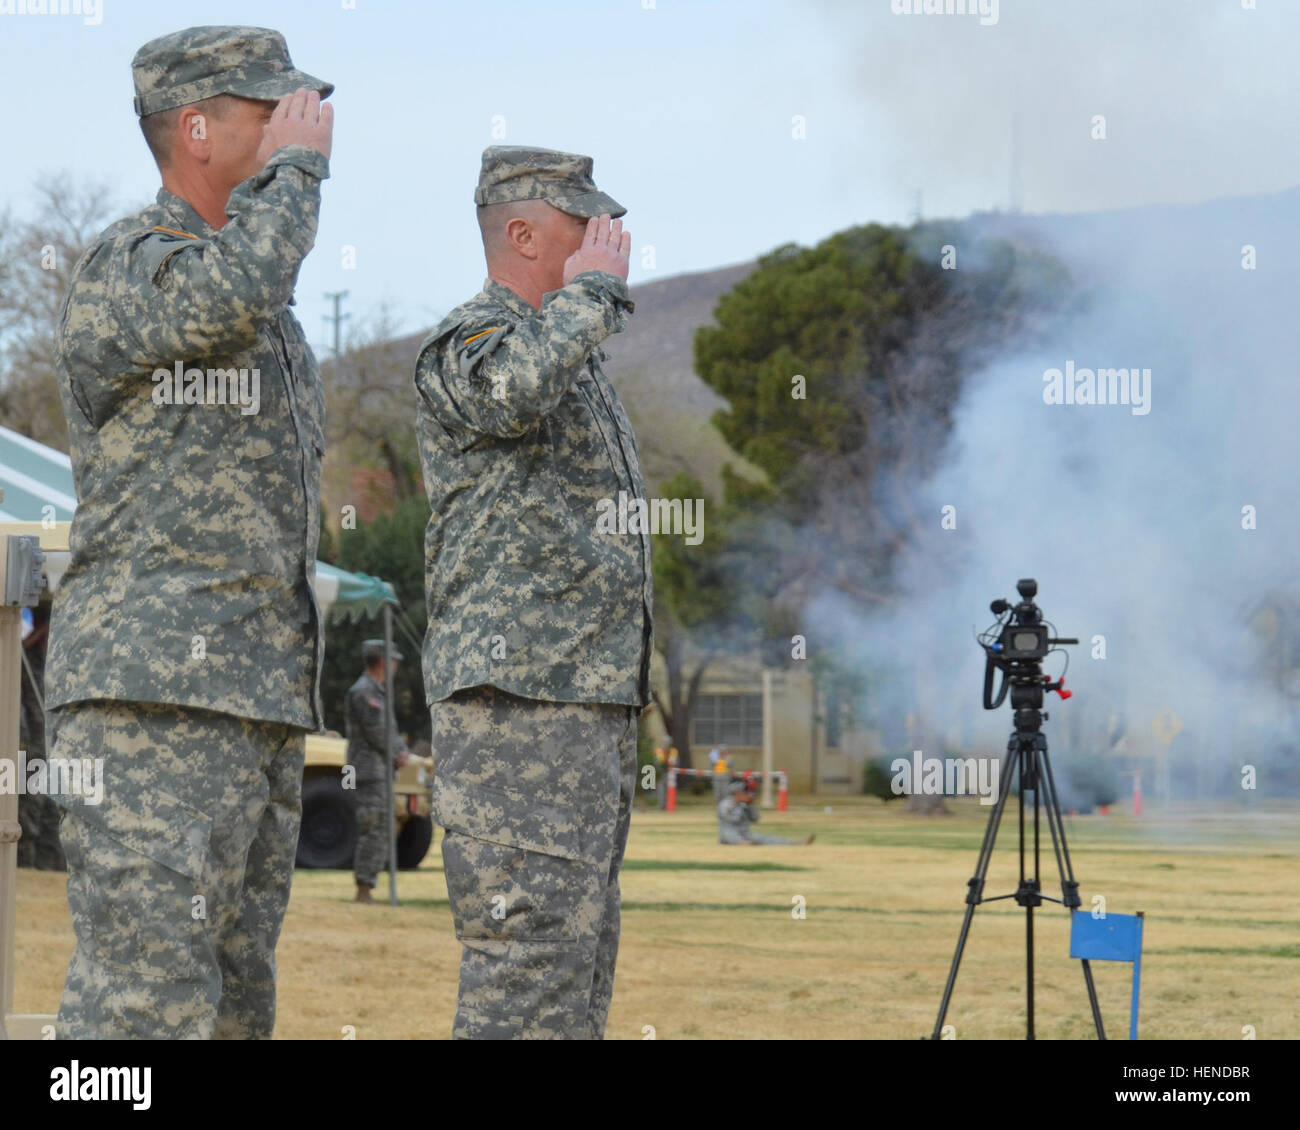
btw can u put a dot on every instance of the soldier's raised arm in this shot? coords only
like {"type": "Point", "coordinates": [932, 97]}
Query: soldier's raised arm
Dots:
{"type": "Point", "coordinates": [501, 380]}
{"type": "Point", "coordinates": [182, 295]}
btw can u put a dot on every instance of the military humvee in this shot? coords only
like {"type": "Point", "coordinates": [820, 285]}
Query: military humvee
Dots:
{"type": "Point", "coordinates": [329, 824]}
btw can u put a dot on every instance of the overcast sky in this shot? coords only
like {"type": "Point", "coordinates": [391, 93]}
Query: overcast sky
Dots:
{"type": "Point", "coordinates": [691, 109]}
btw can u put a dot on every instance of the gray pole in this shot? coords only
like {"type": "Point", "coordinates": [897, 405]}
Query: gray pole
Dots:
{"type": "Point", "coordinates": [337, 298]}
{"type": "Point", "coordinates": [390, 725]}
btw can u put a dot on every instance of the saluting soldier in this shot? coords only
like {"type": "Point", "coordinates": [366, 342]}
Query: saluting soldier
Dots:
{"type": "Point", "coordinates": [538, 647]}
{"type": "Point", "coordinates": [186, 640]}
{"type": "Point", "coordinates": [374, 761]}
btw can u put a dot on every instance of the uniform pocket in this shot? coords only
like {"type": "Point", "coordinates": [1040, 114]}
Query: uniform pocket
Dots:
{"type": "Point", "coordinates": [514, 820]}
{"type": "Point", "coordinates": [133, 897]}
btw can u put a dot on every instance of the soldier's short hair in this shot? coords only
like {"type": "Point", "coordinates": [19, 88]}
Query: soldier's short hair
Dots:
{"type": "Point", "coordinates": [158, 128]}
{"type": "Point", "coordinates": [492, 218]}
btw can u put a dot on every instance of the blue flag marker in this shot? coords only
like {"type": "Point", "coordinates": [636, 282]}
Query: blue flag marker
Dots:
{"type": "Point", "coordinates": [1113, 937]}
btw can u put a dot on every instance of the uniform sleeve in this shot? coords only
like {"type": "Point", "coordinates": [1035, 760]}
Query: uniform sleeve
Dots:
{"type": "Point", "coordinates": [501, 380]}
{"type": "Point", "coordinates": [372, 728]}
{"type": "Point", "coordinates": [372, 724]}
{"type": "Point", "coordinates": [730, 812]}
{"type": "Point", "coordinates": [181, 298]}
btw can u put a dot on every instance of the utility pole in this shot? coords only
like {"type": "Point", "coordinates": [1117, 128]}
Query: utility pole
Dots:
{"type": "Point", "coordinates": [337, 298]}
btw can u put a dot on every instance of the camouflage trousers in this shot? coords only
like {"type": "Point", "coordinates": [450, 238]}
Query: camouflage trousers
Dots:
{"type": "Point", "coordinates": [536, 799]}
{"type": "Point", "coordinates": [372, 831]}
{"type": "Point", "coordinates": [179, 879]}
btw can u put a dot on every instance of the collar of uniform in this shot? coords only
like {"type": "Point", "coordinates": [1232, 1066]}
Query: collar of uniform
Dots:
{"type": "Point", "coordinates": [185, 218]}
{"type": "Point", "coordinates": [508, 298]}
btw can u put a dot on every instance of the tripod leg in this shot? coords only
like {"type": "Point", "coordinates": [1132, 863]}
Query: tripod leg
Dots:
{"type": "Point", "coordinates": [1029, 973]}
{"type": "Point", "coordinates": [1035, 779]}
{"type": "Point", "coordinates": [937, 1034]}
{"type": "Point", "coordinates": [1092, 997]}
{"type": "Point", "coordinates": [1069, 886]}
{"type": "Point", "coordinates": [975, 887]}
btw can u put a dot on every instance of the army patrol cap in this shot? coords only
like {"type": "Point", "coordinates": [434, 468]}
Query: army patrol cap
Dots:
{"type": "Point", "coordinates": [563, 180]}
{"type": "Point", "coordinates": [202, 62]}
{"type": "Point", "coordinates": [374, 649]}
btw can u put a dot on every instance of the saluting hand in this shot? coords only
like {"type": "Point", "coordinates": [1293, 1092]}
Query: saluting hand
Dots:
{"type": "Point", "coordinates": [298, 119]}
{"type": "Point", "coordinates": [605, 247]}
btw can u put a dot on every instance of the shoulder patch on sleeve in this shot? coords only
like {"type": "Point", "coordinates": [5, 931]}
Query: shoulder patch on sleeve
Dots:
{"type": "Point", "coordinates": [476, 346]}
{"type": "Point", "coordinates": [151, 253]}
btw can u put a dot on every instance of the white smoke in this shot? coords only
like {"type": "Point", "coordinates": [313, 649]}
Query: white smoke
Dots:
{"type": "Point", "coordinates": [1133, 525]}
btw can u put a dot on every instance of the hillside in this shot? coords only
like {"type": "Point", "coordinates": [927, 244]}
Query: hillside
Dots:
{"type": "Point", "coordinates": [651, 366]}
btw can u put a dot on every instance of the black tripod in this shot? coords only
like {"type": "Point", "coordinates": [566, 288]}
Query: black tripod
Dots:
{"type": "Point", "coordinates": [1028, 763]}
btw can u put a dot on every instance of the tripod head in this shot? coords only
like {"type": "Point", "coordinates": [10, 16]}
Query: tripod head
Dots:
{"type": "Point", "coordinates": [1016, 644]}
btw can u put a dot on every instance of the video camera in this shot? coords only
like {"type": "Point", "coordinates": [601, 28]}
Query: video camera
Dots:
{"type": "Point", "coordinates": [1016, 644]}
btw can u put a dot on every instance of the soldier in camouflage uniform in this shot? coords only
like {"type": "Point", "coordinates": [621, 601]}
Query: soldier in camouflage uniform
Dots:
{"type": "Point", "coordinates": [737, 817]}
{"type": "Point", "coordinates": [538, 648]}
{"type": "Point", "coordinates": [364, 713]}
{"type": "Point", "coordinates": [186, 642]}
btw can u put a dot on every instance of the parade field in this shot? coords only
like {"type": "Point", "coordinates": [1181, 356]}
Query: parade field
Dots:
{"type": "Point", "coordinates": [713, 947]}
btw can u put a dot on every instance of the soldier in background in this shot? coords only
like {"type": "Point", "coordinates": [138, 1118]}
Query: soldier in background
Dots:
{"type": "Point", "coordinates": [737, 817]}
{"type": "Point", "coordinates": [537, 656]}
{"type": "Point", "coordinates": [375, 764]}
{"type": "Point", "coordinates": [186, 642]}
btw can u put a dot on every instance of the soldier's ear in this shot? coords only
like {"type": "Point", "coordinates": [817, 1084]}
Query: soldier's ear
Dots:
{"type": "Point", "coordinates": [521, 237]}
{"type": "Point", "coordinates": [192, 133]}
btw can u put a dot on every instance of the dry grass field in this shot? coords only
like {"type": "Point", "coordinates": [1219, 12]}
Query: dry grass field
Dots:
{"type": "Point", "coordinates": [711, 949]}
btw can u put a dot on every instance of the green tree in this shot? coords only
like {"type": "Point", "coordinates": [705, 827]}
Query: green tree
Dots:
{"type": "Point", "coordinates": [841, 365]}
{"type": "Point", "coordinates": [696, 612]}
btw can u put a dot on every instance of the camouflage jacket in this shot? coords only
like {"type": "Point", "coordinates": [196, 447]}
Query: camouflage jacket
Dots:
{"type": "Point", "coordinates": [737, 812]}
{"type": "Point", "coordinates": [521, 436]}
{"type": "Point", "coordinates": [363, 718]}
{"type": "Point", "coordinates": [194, 540]}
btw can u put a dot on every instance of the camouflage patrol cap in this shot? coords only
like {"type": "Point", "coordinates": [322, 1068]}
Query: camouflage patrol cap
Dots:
{"type": "Point", "coordinates": [563, 180]}
{"type": "Point", "coordinates": [372, 650]}
{"type": "Point", "coordinates": [202, 62]}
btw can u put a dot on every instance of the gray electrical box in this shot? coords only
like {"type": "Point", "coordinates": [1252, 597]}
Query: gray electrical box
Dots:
{"type": "Point", "coordinates": [23, 581]}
